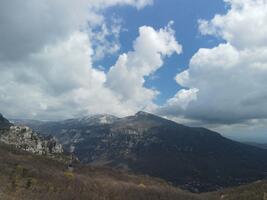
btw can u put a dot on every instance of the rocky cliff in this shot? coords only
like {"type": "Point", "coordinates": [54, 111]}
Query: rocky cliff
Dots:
{"type": "Point", "coordinates": [26, 139]}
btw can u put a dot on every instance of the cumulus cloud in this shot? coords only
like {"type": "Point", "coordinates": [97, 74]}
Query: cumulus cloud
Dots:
{"type": "Point", "coordinates": [58, 81]}
{"type": "Point", "coordinates": [227, 84]}
{"type": "Point", "coordinates": [126, 78]}
{"type": "Point", "coordinates": [47, 56]}
{"type": "Point", "coordinates": [244, 26]}
{"type": "Point", "coordinates": [47, 51]}
{"type": "Point", "coordinates": [26, 26]}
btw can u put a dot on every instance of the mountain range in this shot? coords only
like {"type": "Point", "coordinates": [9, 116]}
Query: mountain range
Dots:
{"type": "Point", "coordinates": [29, 175]}
{"type": "Point", "coordinates": [195, 159]}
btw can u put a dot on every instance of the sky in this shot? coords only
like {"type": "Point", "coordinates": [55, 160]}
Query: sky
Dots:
{"type": "Point", "coordinates": [200, 63]}
{"type": "Point", "coordinates": [185, 15]}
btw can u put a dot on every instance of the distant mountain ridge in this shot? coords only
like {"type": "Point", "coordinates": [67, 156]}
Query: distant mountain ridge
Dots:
{"type": "Point", "coordinates": [196, 158]}
{"type": "Point", "coordinates": [259, 145]}
{"type": "Point", "coordinates": [93, 120]}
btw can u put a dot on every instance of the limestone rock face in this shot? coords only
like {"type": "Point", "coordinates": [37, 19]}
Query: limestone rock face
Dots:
{"type": "Point", "coordinates": [26, 139]}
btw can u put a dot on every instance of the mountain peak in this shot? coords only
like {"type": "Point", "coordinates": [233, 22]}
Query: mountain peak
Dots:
{"type": "Point", "coordinates": [152, 117]}
{"type": "Point", "coordinates": [142, 113]}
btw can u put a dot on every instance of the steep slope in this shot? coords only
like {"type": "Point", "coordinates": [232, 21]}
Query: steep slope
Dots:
{"type": "Point", "coordinates": [25, 176]}
{"type": "Point", "coordinates": [4, 123]}
{"type": "Point", "coordinates": [195, 158]}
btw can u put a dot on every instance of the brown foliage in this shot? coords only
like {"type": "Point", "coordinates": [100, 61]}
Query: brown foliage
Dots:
{"type": "Point", "coordinates": [24, 176]}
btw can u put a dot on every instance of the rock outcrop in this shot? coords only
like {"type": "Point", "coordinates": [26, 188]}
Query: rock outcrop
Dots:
{"type": "Point", "coordinates": [26, 139]}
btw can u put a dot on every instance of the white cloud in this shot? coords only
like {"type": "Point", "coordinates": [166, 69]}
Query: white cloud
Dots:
{"type": "Point", "coordinates": [244, 26]}
{"type": "Point", "coordinates": [46, 58]}
{"type": "Point", "coordinates": [49, 73]}
{"type": "Point", "coordinates": [126, 78]}
{"type": "Point", "coordinates": [54, 81]}
{"type": "Point", "coordinates": [102, 4]}
{"type": "Point", "coordinates": [230, 78]}
{"type": "Point", "coordinates": [183, 98]}
{"type": "Point", "coordinates": [59, 82]}
{"type": "Point", "coordinates": [105, 39]}
{"type": "Point", "coordinates": [27, 26]}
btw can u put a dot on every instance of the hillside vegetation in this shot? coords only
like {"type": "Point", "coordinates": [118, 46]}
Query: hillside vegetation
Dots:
{"type": "Point", "coordinates": [24, 176]}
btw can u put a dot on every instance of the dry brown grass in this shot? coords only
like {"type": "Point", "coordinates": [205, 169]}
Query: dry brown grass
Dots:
{"type": "Point", "coordinates": [254, 191]}
{"type": "Point", "coordinates": [24, 176]}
